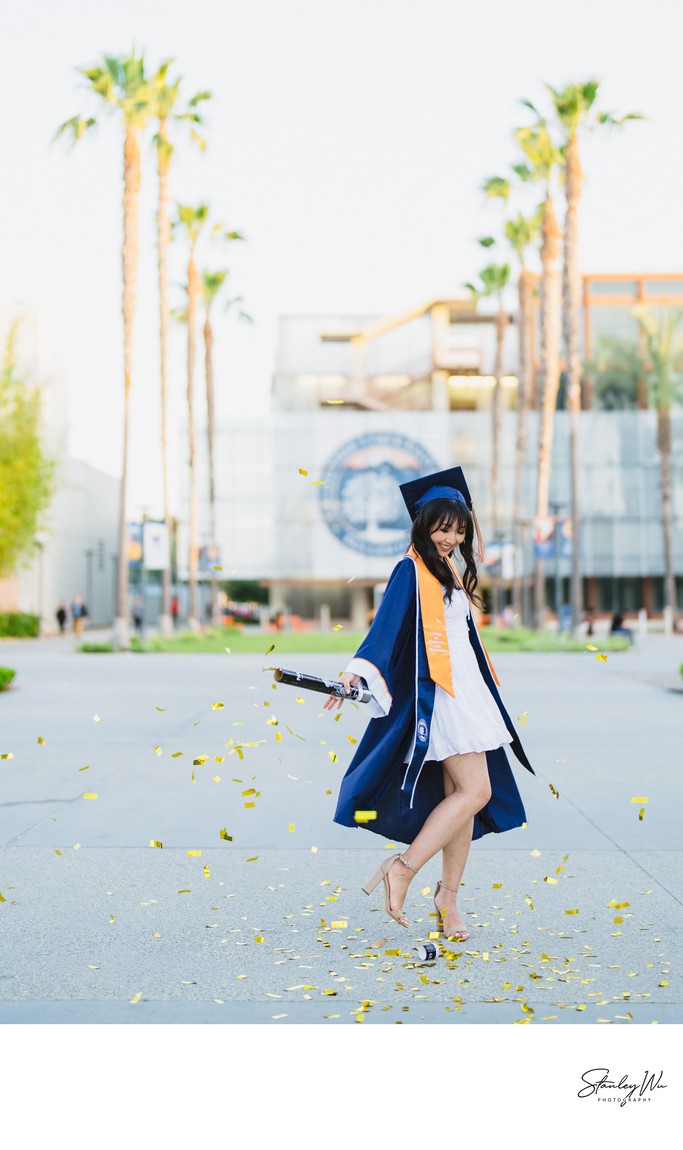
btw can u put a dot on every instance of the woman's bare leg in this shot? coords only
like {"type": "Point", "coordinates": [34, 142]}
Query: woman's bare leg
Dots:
{"type": "Point", "coordinates": [449, 826]}
{"type": "Point", "coordinates": [454, 859]}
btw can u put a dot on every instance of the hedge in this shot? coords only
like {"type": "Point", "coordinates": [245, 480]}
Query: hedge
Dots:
{"type": "Point", "coordinates": [19, 625]}
{"type": "Point", "coordinates": [6, 676]}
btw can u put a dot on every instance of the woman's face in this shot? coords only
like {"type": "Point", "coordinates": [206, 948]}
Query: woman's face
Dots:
{"type": "Point", "coordinates": [446, 539]}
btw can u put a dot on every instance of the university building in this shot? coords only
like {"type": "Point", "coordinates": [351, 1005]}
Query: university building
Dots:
{"type": "Point", "coordinates": [308, 497]}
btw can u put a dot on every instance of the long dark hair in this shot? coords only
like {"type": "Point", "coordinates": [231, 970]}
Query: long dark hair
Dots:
{"type": "Point", "coordinates": [439, 515]}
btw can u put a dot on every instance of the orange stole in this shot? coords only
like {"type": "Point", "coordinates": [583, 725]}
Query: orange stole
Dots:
{"type": "Point", "coordinates": [434, 625]}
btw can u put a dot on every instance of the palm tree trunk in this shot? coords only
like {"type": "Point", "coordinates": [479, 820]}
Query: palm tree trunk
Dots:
{"type": "Point", "coordinates": [501, 324]}
{"type": "Point", "coordinates": [549, 377]}
{"type": "Point", "coordinates": [129, 260]}
{"type": "Point", "coordinates": [571, 299]}
{"type": "Point", "coordinates": [163, 243]}
{"type": "Point", "coordinates": [664, 445]}
{"type": "Point", "coordinates": [192, 294]}
{"type": "Point", "coordinates": [524, 390]}
{"type": "Point", "coordinates": [211, 434]}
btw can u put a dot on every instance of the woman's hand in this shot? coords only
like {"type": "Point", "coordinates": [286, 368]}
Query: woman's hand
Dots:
{"type": "Point", "coordinates": [349, 681]}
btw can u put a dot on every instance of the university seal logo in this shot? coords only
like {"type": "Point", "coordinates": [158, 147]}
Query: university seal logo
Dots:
{"type": "Point", "coordinates": [360, 500]}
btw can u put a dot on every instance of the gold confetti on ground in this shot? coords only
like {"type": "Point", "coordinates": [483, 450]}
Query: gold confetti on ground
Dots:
{"type": "Point", "coordinates": [155, 843]}
{"type": "Point", "coordinates": [217, 706]}
{"type": "Point", "coordinates": [136, 998]}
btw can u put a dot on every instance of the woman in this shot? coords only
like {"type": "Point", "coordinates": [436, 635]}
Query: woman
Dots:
{"type": "Point", "coordinates": [431, 769]}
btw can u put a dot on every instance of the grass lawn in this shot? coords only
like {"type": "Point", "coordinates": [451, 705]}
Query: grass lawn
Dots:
{"type": "Point", "coordinates": [217, 639]}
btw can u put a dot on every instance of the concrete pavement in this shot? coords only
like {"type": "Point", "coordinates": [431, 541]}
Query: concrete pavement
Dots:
{"type": "Point", "coordinates": [576, 918]}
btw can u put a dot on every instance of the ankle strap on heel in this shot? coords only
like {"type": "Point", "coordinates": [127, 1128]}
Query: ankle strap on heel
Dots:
{"type": "Point", "coordinates": [453, 890]}
{"type": "Point", "coordinates": [407, 864]}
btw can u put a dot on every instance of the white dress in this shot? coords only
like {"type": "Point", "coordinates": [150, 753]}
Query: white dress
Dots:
{"type": "Point", "coordinates": [471, 721]}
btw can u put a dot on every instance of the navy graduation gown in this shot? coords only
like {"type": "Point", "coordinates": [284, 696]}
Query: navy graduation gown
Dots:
{"type": "Point", "coordinates": [387, 773]}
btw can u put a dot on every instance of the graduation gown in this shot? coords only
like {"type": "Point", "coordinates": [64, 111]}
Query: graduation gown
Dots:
{"type": "Point", "coordinates": [388, 773]}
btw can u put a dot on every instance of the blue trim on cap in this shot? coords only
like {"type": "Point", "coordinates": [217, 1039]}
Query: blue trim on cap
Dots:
{"type": "Point", "coordinates": [440, 493]}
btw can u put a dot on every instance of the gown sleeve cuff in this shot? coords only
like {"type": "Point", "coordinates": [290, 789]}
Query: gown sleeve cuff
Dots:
{"type": "Point", "coordinates": [380, 703]}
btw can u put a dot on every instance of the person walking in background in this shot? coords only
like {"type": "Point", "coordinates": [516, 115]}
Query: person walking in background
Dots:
{"type": "Point", "coordinates": [137, 616]}
{"type": "Point", "coordinates": [78, 614]}
{"type": "Point", "coordinates": [175, 610]}
{"type": "Point", "coordinates": [61, 617]}
{"type": "Point", "coordinates": [617, 626]}
{"type": "Point", "coordinates": [431, 769]}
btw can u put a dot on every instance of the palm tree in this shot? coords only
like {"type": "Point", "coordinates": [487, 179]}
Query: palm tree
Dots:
{"type": "Point", "coordinates": [213, 283]}
{"type": "Point", "coordinates": [544, 160]}
{"type": "Point", "coordinates": [192, 220]}
{"type": "Point", "coordinates": [493, 280]}
{"type": "Point", "coordinates": [573, 106]}
{"type": "Point", "coordinates": [664, 356]}
{"type": "Point", "coordinates": [120, 81]}
{"type": "Point", "coordinates": [522, 233]}
{"type": "Point", "coordinates": [165, 97]}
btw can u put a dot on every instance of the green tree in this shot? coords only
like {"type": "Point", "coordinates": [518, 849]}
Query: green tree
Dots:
{"type": "Point", "coordinates": [663, 368]}
{"type": "Point", "coordinates": [213, 283]}
{"type": "Point", "coordinates": [542, 166]}
{"type": "Point", "coordinates": [493, 281]}
{"type": "Point", "coordinates": [26, 471]}
{"type": "Point", "coordinates": [168, 115]}
{"type": "Point", "coordinates": [191, 221]}
{"type": "Point", "coordinates": [121, 83]}
{"type": "Point", "coordinates": [574, 109]}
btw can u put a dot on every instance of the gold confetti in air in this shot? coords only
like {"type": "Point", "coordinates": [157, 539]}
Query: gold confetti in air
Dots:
{"type": "Point", "coordinates": [8, 755]}
{"type": "Point", "coordinates": [291, 827]}
{"type": "Point", "coordinates": [364, 816]}
{"type": "Point", "coordinates": [96, 719]}
{"type": "Point", "coordinates": [271, 648]}
{"type": "Point", "coordinates": [136, 998]}
{"type": "Point", "coordinates": [253, 859]}
{"type": "Point", "coordinates": [350, 739]}
{"type": "Point", "coordinates": [194, 854]}
{"type": "Point", "coordinates": [224, 835]}
{"type": "Point", "coordinates": [176, 754]}
{"type": "Point", "coordinates": [160, 708]}
{"type": "Point", "coordinates": [85, 768]}
{"type": "Point", "coordinates": [155, 843]}
{"type": "Point", "coordinates": [302, 471]}
{"type": "Point", "coordinates": [554, 792]}
{"type": "Point", "coordinates": [591, 647]}
{"type": "Point", "coordinates": [641, 814]}
{"type": "Point", "coordinates": [639, 799]}
{"type": "Point", "coordinates": [90, 796]}
{"type": "Point", "coordinates": [338, 627]}
{"type": "Point", "coordinates": [41, 741]}
{"type": "Point", "coordinates": [601, 658]}
{"type": "Point", "coordinates": [523, 718]}
{"type": "Point", "coordinates": [332, 756]}
{"type": "Point", "coordinates": [218, 568]}
{"type": "Point", "coordinates": [158, 750]}
{"type": "Point", "coordinates": [217, 706]}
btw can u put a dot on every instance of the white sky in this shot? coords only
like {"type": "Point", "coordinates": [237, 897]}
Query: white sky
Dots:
{"type": "Point", "coordinates": [348, 140]}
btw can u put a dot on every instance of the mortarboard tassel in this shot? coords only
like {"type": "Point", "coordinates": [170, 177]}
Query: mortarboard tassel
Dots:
{"type": "Point", "coordinates": [481, 553]}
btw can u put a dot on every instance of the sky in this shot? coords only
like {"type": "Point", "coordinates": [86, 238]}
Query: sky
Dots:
{"type": "Point", "coordinates": [347, 140]}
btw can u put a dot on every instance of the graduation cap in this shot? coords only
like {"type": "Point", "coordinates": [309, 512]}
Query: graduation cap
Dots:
{"type": "Point", "coordinates": [449, 484]}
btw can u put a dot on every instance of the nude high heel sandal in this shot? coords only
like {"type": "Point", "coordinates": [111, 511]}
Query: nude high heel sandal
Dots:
{"type": "Point", "coordinates": [382, 875]}
{"type": "Point", "coordinates": [461, 934]}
